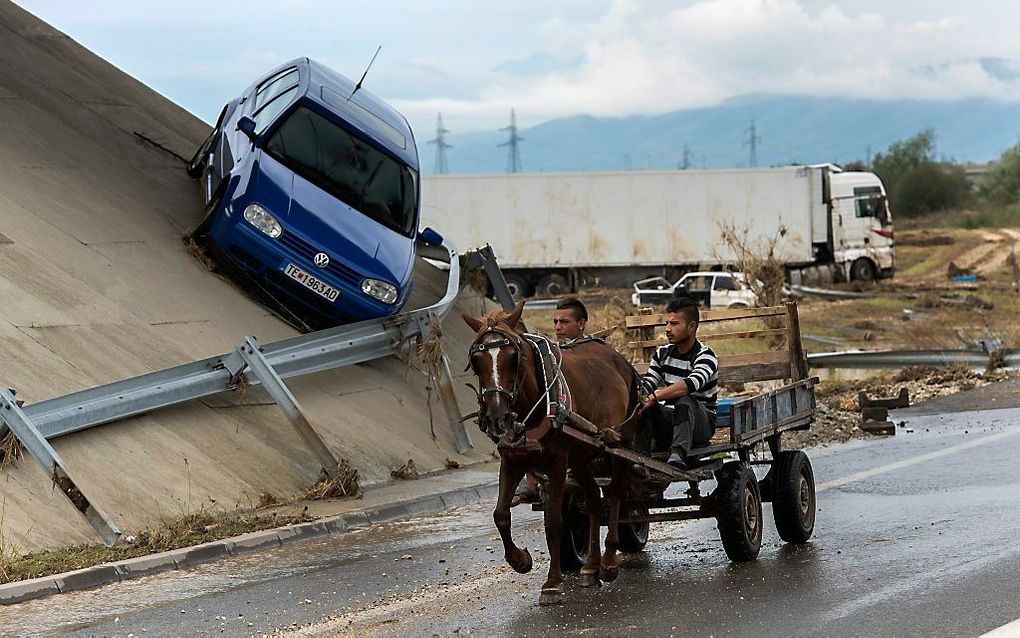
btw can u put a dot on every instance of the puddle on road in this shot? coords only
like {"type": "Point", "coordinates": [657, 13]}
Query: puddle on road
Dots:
{"type": "Point", "coordinates": [65, 612]}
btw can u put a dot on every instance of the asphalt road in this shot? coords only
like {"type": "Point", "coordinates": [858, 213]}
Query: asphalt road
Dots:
{"type": "Point", "coordinates": [915, 535]}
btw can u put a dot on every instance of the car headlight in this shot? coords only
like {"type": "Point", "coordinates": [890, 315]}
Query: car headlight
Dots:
{"type": "Point", "coordinates": [261, 218]}
{"type": "Point", "coordinates": [384, 292]}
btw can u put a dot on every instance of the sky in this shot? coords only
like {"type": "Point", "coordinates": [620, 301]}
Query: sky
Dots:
{"type": "Point", "coordinates": [474, 60]}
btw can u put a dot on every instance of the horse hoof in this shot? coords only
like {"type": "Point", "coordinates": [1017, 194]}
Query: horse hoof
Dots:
{"type": "Point", "coordinates": [590, 579]}
{"type": "Point", "coordinates": [551, 596]}
{"type": "Point", "coordinates": [609, 574]}
{"type": "Point", "coordinates": [523, 563]}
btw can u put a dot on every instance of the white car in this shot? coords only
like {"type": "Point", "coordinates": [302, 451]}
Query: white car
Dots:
{"type": "Point", "coordinates": [710, 289]}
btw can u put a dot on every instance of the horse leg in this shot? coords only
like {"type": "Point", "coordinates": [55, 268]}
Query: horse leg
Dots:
{"type": "Point", "coordinates": [510, 474]}
{"type": "Point", "coordinates": [552, 589]}
{"type": "Point", "coordinates": [610, 560]}
{"type": "Point", "coordinates": [592, 502]}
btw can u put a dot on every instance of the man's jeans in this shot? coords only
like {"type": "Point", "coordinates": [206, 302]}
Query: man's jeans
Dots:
{"type": "Point", "coordinates": [684, 425]}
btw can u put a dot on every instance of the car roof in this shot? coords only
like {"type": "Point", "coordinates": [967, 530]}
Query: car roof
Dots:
{"type": "Point", "coordinates": [711, 273]}
{"type": "Point", "coordinates": [375, 118]}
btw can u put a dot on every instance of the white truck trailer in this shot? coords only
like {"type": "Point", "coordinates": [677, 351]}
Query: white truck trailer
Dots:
{"type": "Point", "coordinates": [556, 232]}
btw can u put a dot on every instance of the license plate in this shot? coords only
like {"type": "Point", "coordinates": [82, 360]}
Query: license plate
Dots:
{"type": "Point", "coordinates": [312, 283]}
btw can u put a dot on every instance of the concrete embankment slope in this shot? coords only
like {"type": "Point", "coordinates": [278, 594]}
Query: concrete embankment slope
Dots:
{"type": "Point", "coordinates": [96, 286]}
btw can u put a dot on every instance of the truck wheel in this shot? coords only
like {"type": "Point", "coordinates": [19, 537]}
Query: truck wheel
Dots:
{"type": "Point", "coordinates": [862, 270]}
{"type": "Point", "coordinates": [553, 286]}
{"type": "Point", "coordinates": [739, 511]}
{"type": "Point", "coordinates": [574, 539]}
{"type": "Point", "coordinates": [794, 502]}
{"type": "Point", "coordinates": [633, 536]}
{"type": "Point", "coordinates": [518, 285]}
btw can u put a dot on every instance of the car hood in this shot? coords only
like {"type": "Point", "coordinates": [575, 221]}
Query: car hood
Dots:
{"type": "Point", "coordinates": [340, 231]}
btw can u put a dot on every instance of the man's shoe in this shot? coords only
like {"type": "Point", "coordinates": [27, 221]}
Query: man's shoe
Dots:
{"type": "Point", "coordinates": [676, 462]}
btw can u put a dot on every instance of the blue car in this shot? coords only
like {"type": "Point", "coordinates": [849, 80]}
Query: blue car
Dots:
{"type": "Point", "coordinates": [312, 195]}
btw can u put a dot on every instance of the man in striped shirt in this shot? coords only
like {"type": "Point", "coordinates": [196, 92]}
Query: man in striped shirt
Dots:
{"type": "Point", "coordinates": [683, 375]}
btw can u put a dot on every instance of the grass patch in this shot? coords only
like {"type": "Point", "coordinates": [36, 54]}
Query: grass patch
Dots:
{"type": "Point", "coordinates": [185, 531]}
{"type": "Point", "coordinates": [345, 484]}
{"type": "Point", "coordinates": [1002, 217]}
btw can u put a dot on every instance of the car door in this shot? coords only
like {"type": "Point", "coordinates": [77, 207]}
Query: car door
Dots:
{"type": "Point", "coordinates": [258, 102]}
{"type": "Point", "coordinates": [699, 288]}
{"type": "Point", "coordinates": [723, 291]}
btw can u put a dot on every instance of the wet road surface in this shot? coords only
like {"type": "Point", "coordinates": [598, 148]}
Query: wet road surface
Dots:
{"type": "Point", "coordinates": [915, 535]}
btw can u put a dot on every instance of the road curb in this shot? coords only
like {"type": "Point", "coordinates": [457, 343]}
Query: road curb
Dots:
{"type": "Point", "coordinates": [185, 557]}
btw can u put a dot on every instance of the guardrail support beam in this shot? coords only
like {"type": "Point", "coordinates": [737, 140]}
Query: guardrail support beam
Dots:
{"type": "Point", "coordinates": [251, 354]}
{"type": "Point", "coordinates": [441, 377]}
{"type": "Point", "coordinates": [15, 418]}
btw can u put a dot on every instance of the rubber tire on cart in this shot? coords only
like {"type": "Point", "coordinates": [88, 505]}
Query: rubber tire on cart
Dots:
{"type": "Point", "coordinates": [553, 286]}
{"type": "Point", "coordinates": [738, 511]}
{"type": "Point", "coordinates": [518, 285]}
{"type": "Point", "coordinates": [574, 539]}
{"type": "Point", "coordinates": [862, 270]}
{"type": "Point", "coordinates": [633, 536]}
{"type": "Point", "coordinates": [793, 503]}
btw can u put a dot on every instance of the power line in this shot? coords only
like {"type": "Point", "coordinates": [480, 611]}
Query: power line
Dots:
{"type": "Point", "coordinates": [513, 160]}
{"type": "Point", "coordinates": [752, 141]}
{"type": "Point", "coordinates": [441, 146]}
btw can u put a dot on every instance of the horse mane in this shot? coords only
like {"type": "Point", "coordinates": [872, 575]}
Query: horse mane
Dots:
{"type": "Point", "coordinates": [496, 317]}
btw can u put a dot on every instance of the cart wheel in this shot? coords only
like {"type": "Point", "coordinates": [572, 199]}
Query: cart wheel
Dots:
{"type": "Point", "coordinates": [794, 503]}
{"type": "Point", "coordinates": [574, 540]}
{"type": "Point", "coordinates": [633, 536]}
{"type": "Point", "coordinates": [739, 511]}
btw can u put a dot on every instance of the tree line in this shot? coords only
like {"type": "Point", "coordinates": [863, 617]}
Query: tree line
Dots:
{"type": "Point", "coordinates": [918, 183]}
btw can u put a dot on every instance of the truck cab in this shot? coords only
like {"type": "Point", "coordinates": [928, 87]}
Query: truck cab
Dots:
{"type": "Point", "coordinates": [862, 229]}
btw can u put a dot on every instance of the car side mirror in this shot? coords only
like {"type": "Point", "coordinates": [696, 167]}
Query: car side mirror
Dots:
{"type": "Point", "coordinates": [247, 126]}
{"type": "Point", "coordinates": [430, 236]}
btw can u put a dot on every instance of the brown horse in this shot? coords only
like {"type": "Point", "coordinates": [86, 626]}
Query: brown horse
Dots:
{"type": "Point", "coordinates": [513, 405]}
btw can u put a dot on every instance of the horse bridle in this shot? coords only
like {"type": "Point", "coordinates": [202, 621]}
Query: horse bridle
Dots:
{"type": "Point", "coordinates": [479, 346]}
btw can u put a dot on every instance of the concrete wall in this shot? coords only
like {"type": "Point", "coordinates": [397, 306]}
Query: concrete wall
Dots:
{"type": "Point", "coordinates": [96, 286]}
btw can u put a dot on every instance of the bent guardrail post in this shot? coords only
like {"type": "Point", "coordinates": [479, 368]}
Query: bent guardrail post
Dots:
{"type": "Point", "coordinates": [496, 278]}
{"type": "Point", "coordinates": [252, 355]}
{"type": "Point", "coordinates": [18, 422]}
{"type": "Point", "coordinates": [442, 379]}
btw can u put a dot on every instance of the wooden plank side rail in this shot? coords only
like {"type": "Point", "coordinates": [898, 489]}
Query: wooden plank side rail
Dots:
{"type": "Point", "coordinates": [789, 363]}
{"type": "Point", "coordinates": [709, 316]}
{"type": "Point", "coordinates": [719, 336]}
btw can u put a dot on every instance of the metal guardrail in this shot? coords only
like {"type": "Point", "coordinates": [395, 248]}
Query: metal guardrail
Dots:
{"type": "Point", "coordinates": [267, 365]}
{"type": "Point", "coordinates": [873, 359]}
{"type": "Point", "coordinates": [828, 293]}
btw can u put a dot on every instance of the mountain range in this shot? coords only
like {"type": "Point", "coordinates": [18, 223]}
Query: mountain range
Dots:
{"type": "Point", "coordinates": [786, 129]}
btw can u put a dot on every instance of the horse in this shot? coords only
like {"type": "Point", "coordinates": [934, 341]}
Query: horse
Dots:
{"type": "Point", "coordinates": [516, 409]}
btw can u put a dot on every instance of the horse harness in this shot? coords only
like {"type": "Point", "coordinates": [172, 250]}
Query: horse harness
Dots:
{"type": "Point", "coordinates": [555, 390]}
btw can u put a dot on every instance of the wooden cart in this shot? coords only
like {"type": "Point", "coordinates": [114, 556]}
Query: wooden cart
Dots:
{"type": "Point", "coordinates": [746, 425]}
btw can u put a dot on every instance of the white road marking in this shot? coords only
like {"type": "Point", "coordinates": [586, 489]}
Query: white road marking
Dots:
{"type": "Point", "coordinates": [858, 476]}
{"type": "Point", "coordinates": [1009, 630]}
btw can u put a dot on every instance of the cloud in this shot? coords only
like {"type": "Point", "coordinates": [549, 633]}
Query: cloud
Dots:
{"type": "Point", "coordinates": [647, 57]}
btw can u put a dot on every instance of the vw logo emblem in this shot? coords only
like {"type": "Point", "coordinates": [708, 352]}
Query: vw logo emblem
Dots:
{"type": "Point", "coordinates": [321, 260]}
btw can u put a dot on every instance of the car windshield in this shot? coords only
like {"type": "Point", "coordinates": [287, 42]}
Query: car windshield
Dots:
{"type": "Point", "coordinates": [347, 167]}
